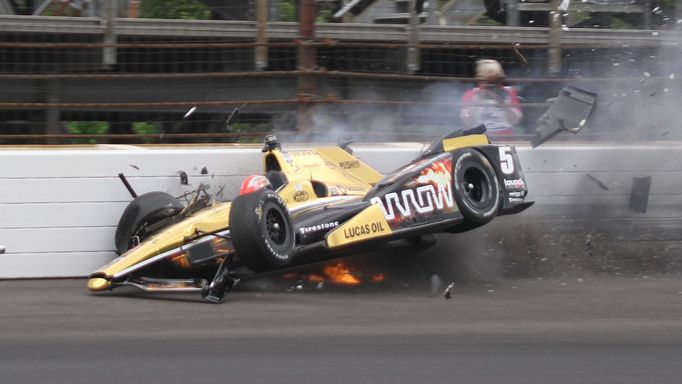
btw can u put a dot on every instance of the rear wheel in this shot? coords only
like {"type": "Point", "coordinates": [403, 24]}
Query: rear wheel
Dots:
{"type": "Point", "coordinates": [261, 230]}
{"type": "Point", "coordinates": [477, 190]}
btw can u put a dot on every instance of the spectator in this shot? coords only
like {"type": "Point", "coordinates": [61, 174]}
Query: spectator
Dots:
{"type": "Point", "coordinates": [491, 103]}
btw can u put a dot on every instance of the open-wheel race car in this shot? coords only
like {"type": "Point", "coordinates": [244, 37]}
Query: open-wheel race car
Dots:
{"type": "Point", "coordinates": [311, 205]}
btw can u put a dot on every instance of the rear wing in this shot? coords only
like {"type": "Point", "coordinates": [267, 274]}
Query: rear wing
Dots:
{"type": "Point", "coordinates": [569, 112]}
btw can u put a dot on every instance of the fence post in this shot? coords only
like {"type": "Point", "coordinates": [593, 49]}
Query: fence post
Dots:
{"type": "Point", "coordinates": [110, 12]}
{"type": "Point", "coordinates": [52, 114]}
{"type": "Point", "coordinates": [513, 17]}
{"type": "Point", "coordinates": [555, 39]}
{"type": "Point", "coordinates": [306, 63]}
{"type": "Point", "coordinates": [413, 40]}
{"type": "Point", "coordinates": [261, 34]}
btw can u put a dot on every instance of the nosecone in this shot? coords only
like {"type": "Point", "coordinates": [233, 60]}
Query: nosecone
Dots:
{"type": "Point", "coordinates": [98, 284]}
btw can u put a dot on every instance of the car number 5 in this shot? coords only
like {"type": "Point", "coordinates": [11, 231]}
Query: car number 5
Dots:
{"type": "Point", "coordinates": [506, 160]}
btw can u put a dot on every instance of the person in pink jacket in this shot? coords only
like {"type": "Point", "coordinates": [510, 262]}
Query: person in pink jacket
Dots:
{"type": "Point", "coordinates": [491, 103]}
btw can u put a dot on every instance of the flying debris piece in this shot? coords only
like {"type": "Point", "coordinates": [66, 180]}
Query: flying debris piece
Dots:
{"type": "Point", "coordinates": [568, 113]}
{"type": "Point", "coordinates": [597, 181]}
{"type": "Point", "coordinates": [2, 249]}
{"type": "Point", "coordinates": [183, 178]}
{"type": "Point", "coordinates": [447, 294]}
{"type": "Point", "coordinates": [190, 112]}
{"type": "Point", "coordinates": [204, 171]}
{"type": "Point", "coordinates": [519, 55]}
{"type": "Point", "coordinates": [134, 166]}
{"type": "Point", "coordinates": [639, 194]}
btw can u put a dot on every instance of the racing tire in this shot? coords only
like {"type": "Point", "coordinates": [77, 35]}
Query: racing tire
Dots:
{"type": "Point", "coordinates": [145, 210]}
{"type": "Point", "coordinates": [477, 189]}
{"type": "Point", "coordinates": [261, 230]}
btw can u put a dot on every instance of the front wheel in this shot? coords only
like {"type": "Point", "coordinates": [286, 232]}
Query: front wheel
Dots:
{"type": "Point", "coordinates": [261, 230]}
{"type": "Point", "coordinates": [477, 190]}
{"type": "Point", "coordinates": [143, 212]}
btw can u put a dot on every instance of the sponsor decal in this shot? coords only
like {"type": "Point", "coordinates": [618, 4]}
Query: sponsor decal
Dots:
{"type": "Point", "coordinates": [363, 230]}
{"type": "Point", "coordinates": [287, 157]}
{"type": "Point", "coordinates": [514, 183]}
{"type": "Point", "coordinates": [517, 196]}
{"type": "Point", "coordinates": [506, 160]}
{"type": "Point", "coordinates": [430, 191]}
{"type": "Point", "coordinates": [304, 153]}
{"type": "Point", "coordinates": [423, 199]}
{"type": "Point", "coordinates": [351, 164]}
{"type": "Point", "coordinates": [301, 196]}
{"type": "Point", "coordinates": [333, 191]}
{"type": "Point", "coordinates": [318, 227]}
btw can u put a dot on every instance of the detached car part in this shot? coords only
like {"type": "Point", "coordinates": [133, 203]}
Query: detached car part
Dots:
{"type": "Point", "coordinates": [569, 112]}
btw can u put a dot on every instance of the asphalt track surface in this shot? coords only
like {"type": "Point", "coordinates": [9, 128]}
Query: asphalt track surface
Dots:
{"type": "Point", "coordinates": [588, 330]}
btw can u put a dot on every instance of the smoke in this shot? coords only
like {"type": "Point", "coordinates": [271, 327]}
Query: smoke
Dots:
{"type": "Point", "coordinates": [381, 113]}
{"type": "Point", "coordinates": [639, 90]}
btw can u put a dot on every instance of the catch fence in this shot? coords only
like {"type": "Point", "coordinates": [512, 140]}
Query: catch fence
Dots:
{"type": "Point", "coordinates": [64, 79]}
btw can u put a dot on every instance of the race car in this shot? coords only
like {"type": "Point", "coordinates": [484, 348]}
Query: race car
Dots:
{"type": "Point", "coordinates": [311, 205]}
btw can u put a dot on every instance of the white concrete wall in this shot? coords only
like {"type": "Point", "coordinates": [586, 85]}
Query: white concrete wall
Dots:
{"type": "Point", "coordinates": [59, 208]}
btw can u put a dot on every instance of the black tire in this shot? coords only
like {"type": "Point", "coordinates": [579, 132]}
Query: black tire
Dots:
{"type": "Point", "coordinates": [142, 212]}
{"type": "Point", "coordinates": [477, 190]}
{"type": "Point", "coordinates": [261, 230]}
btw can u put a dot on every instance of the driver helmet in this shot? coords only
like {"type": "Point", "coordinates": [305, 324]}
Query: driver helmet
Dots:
{"type": "Point", "coordinates": [254, 183]}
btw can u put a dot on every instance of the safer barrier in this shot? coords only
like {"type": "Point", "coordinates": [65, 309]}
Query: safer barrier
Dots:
{"type": "Point", "coordinates": [59, 207]}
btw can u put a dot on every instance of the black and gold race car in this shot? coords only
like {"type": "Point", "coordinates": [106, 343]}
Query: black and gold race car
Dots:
{"type": "Point", "coordinates": [312, 205]}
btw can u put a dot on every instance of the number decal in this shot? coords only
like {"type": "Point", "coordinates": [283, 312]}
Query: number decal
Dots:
{"type": "Point", "coordinates": [506, 160]}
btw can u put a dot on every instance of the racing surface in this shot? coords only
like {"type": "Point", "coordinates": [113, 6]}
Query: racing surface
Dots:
{"type": "Point", "coordinates": [620, 329]}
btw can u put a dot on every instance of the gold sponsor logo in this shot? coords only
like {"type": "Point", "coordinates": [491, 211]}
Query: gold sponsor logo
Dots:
{"type": "Point", "coordinates": [301, 196]}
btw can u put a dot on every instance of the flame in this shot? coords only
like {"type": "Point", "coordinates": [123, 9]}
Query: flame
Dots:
{"type": "Point", "coordinates": [340, 274]}
{"type": "Point", "coordinates": [336, 273]}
